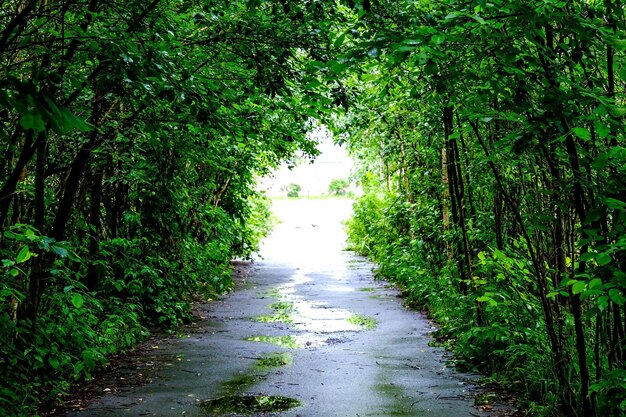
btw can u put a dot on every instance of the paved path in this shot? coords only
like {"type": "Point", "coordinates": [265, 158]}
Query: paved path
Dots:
{"type": "Point", "coordinates": [301, 328]}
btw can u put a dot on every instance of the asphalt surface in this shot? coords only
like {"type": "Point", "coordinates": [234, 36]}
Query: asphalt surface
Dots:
{"type": "Point", "coordinates": [348, 345]}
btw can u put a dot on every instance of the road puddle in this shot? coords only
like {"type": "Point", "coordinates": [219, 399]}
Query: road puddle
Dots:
{"type": "Point", "coordinates": [307, 340]}
{"type": "Point", "coordinates": [235, 402]}
{"type": "Point", "coordinates": [282, 313]}
{"type": "Point", "coordinates": [274, 361]}
{"type": "Point", "coordinates": [240, 382]}
{"type": "Point", "coordinates": [248, 404]}
{"type": "Point", "coordinates": [312, 317]}
{"type": "Point", "coordinates": [289, 342]}
{"type": "Point", "coordinates": [362, 321]}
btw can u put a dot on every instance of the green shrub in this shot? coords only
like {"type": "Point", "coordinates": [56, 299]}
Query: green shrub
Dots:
{"type": "Point", "coordinates": [293, 190]}
{"type": "Point", "coordinates": [338, 186]}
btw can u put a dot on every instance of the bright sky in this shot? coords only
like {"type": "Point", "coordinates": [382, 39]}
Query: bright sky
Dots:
{"type": "Point", "coordinates": [333, 162]}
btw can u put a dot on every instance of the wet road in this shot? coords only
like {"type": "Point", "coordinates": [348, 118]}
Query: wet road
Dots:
{"type": "Point", "coordinates": [310, 330]}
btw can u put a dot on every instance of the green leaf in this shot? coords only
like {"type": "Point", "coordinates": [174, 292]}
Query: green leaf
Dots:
{"type": "Point", "coordinates": [406, 48]}
{"type": "Point", "coordinates": [619, 275]}
{"type": "Point", "coordinates": [60, 250]}
{"type": "Point", "coordinates": [54, 362]}
{"type": "Point", "coordinates": [578, 287]}
{"type": "Point", "coordinates": [33, 121]}
{"type": "Point", "coordinates": [617, 297]}
{"type": "Point", "coordinates": [594, 215]}
{"type": "Point", "coordinates": [582, 133]}
{"type": "Point", "coordinates": [413, 42]}
{"type": "Point", "coordinates": [71, 121]}
{"type": "Point", "coordinates": [339, 41]}
{"type": "Point", "coordinates": [619, 44]}
{"type": "Point", "coordinates": [23, 255]}
{"type": "Point", "coordinates": [337, 67]}
{"type": "Point", "coordinates": [438, 39]}
{"type": "Point", "coordinates": [487, 299]}
{"type": "Point", "coordinates": [313, 84]}
{"type": "Point", "coordinates": [587, 256]}
{"type": "Point", "coordinates": [615, 204]}
{"type": "Point", "coordinates": [63, 120]}
{"type": "Point", "coordinates": [604, 259]}
{"type": "Point", "coordinates": [431, 68]}
{"type": "Point", "coordinates": [618, 111]}
{"type": "Point", "coordinates": [479, 19]}
{"type": "Point", "coordinates": [595, 283]}
{"type": "Point", "coordinates": [78, 300]}
{"type": "Point", "coordinates": [602, 129]}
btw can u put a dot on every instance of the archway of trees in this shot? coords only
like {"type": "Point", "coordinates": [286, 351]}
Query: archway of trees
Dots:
{"type": "Point", "coordinates": [490, 140]}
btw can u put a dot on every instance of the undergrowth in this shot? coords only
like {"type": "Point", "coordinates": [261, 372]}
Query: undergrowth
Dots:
{"type": "Point", "coordinates": [509, 345]}
{"type": "Point", "coordinates": [143, 287]}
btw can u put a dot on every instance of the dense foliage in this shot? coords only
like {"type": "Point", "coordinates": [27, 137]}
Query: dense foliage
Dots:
{"type": "Point", "coordinates": [491, 144]}
{"type": "Point", "coordinates": [131, 133]}
{"type": "Point", "coordinates": [491, 139]}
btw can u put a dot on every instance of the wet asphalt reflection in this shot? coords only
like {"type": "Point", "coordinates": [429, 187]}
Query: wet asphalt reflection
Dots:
{"type": "Point", "coordinates": [310, 331]}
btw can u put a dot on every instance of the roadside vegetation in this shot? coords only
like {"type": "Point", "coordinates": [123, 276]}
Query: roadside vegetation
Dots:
{"type": "Point", "coordinates": [490, 137]}
{"type": "Point", "coordinates": [131, 134]}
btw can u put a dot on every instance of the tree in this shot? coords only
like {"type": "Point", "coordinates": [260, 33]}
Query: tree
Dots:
{"type": "Point", "coordinates": [496, 133]}
{"type": "Point", "coordinates": [131, 135]}
{"type": "Point", "coordinates": [338, 186]}
{"type": "Point", "coordinates": [293, 190]}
